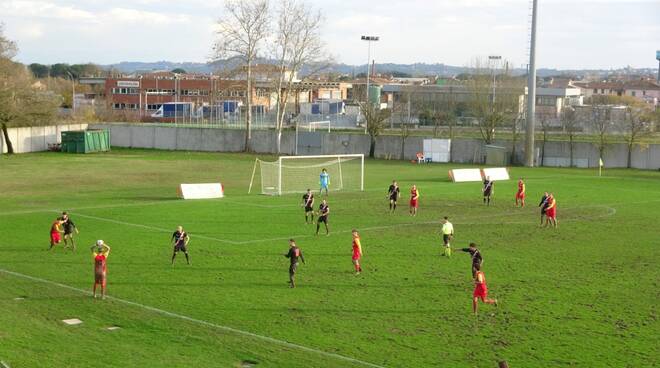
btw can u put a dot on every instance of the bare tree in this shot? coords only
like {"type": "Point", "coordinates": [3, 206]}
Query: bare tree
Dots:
{"type": "Point", "coordinates": [494, 97]}
{"type": "Point", "coordinates": [406, 118]}
{"type": "Point", "coordinates": [21, 103]}
{"type": "Point", "coordinates": [601, 123]}
{"type": "Point", "coordinates": [241, 32]}
{"type": "Point", "coordinates": [569, 123]}
{"type": "Point", "coordinates": [636, 124]}
{"type": "Point", "coordinates": [297, 44]}
{"type": "Point", "coordinates": [515, 133]}
{"type": "Point", "coordinates": [544, 120]}
{"type": "Point", "coordinates": [376, 120]}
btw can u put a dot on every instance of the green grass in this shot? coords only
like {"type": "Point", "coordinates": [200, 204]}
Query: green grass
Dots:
{"type": "Point", "coordinates": [584, 295]}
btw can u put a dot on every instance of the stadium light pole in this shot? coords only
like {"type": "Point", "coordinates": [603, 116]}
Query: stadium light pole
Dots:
{"type": "Point", "coordinates": [657, 57]}
{"type": "Point", "coordinates": [73, 92]}
{"type": "Point", "coordinates": [531, 91]}
{"type": "Point", "coordinates": [493, 58]}
{"type": "Point", "coordinates": [369, 39]}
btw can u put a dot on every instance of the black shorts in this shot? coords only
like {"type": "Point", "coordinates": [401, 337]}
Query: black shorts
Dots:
{"type": "Point", "coordinates": [293, 268]}
{"type": "Point", "coordinates": [487, 193]}
{"type": "Point", "coordinates": [393, 198]}
{"type": "Point", "coordinates": [309, 209]}
{"type": "Point", "coordinates": [543, 211]}
{"type": "Point", "coordinates": [180, 247]}
{"type": "Point", "coordinates": [446, 238]}
{"type": "Point", "coordinates": [323, 219]}
{"type": "Point", "coordinates": [68, 233]}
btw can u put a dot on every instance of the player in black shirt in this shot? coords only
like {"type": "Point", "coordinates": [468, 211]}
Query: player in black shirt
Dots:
{"type": "Point", "coordinates": [393, 194]}
{"type": "Point", "coordinates": [180, 241]}
{"type": "Point", "coordinates": [308, 203]}
{"type": "Point", "coordinates": [324, 211]}
{"type": "Point", "coordinates": [69, 228]}
{"type": "Point", "coordinates": [543, 204]}
{"type": "Point", "coordinates": [477, 260]}
{"type": "Point", "coordinates": [488, 190]}
{"type": "Point", "coordinates": [293, 255]}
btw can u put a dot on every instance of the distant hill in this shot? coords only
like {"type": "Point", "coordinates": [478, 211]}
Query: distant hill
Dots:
{"type": "Point", "coordinates": [416, 69]}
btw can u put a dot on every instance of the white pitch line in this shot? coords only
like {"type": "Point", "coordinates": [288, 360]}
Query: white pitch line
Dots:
{"type": "Point", "coordinates": [149, 227]}
{"type": "Point", "coordinates": [381, 227]}
{"type": "Point", "coordinates": [86, 208]}
{"type": "Point", "coordinates": [201, 322]}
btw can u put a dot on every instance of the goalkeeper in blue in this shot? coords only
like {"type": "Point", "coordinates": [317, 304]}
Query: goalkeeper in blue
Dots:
{"type": "Point", "coordinates": [324, 181]}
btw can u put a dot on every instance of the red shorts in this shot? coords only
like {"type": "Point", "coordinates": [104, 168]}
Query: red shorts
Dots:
{"type": "Point", "coordinates": [551, 213]}
{"type": "Point", "coordinates": [356, 256]}
{"type": "Point", "coordinates": [413, 203]}
{"type": "Point", "coordinates": [520, 195]}
{"type": "Point", "coordinates": [99, 278]}
{"type": "Point", "coordinates": [55, 237]}
{"type": "Point", "coordinates": [480, 292]}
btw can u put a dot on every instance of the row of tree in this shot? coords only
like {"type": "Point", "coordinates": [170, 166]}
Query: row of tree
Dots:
{"type": "Point", "coordinates": [288, 31]}
{"type": "Point", "coordinates": [62, 70]}
{"type": "Point", "coordinates": [502, 113]}
{"type": "Point", "coordinates": [22, 101]}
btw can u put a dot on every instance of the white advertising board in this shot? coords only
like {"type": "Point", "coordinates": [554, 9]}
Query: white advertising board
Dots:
{"type": "Point", "coordinates": [496, 173]}
{"type": "Point", "coordinates": [201, 191]}
{"type": "Point", "coordinates": [463, 175]}
{"type": "Point", "coordinates": [128, 83]}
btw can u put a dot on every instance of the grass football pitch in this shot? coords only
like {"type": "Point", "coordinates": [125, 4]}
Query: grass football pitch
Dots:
{"type": "Point", "coordinates": [583, 295]}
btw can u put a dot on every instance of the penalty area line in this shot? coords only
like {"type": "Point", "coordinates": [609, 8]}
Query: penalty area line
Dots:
{"type": "Point", "coordinates": [200, 321]}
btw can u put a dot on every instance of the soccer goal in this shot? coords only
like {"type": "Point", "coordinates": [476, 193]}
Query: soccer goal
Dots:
{"type": "Point", "coordinates": [296, 174]}
{"type": "Point", "coordinates": [313, 126]}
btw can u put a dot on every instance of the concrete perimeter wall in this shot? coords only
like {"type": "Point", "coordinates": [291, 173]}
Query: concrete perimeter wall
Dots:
{"type": "Point", "coordinates": [37, 138]}
{"type": "Point", "coordinates": [33, 139]}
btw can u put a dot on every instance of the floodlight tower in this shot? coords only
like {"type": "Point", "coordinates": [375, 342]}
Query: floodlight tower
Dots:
{"type": "Point", "coordinates": [657, 57]}
{"type": "Point", "coordinates": [369, 39]}
{"type": "Point", "coordinates": [531, 91]}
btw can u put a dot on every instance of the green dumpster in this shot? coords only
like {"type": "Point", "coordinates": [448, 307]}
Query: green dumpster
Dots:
{"type": "Point", "coordinates": [86, 141]}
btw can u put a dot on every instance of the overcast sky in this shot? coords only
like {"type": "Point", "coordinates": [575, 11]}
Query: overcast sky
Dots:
{"type": "Point", "coordinates": [572, 33]}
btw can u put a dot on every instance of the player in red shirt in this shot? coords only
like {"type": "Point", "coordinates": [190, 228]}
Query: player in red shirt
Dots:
{"type": "Point", "coordinates": [480, 289]}
{"type": "Point", "coordinates": [551, 211]}
{"type": "Point", "coordinates": [414, 198]}
{"type": "Point", "coordinates": [357, 252]}
{"type": "Point", "coordinates": [56, 232]}
{"type": "Point", "coordinates": [100, 251]}
{"type": "Point", "coordinates": [520, 195]}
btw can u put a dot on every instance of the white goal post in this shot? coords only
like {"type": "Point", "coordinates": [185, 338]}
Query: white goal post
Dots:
{"type": "Point", "coordinates": [296, 174]}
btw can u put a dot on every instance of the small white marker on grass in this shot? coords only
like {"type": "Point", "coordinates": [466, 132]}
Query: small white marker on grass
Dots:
{"type": "Point", "coordinates": [113, 328]}
{"type": "Point", "coordinates": [19, 298]}
{"type": "Point", "coordinates": [72, 321]}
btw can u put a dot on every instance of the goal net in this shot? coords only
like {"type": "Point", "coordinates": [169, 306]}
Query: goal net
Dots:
{"type": "Point", "coordinates": [296, 174]}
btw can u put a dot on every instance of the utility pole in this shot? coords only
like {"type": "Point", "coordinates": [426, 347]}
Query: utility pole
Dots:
{"type": "Point", "coordinates": [531, 91]}
{"type": "Point", "coordinates": [493, 57]}
{"type": "Point", "coordinates": [73, 93]}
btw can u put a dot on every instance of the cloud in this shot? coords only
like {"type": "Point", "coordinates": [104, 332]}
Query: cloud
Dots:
{"type": "Point", "coordinates": [44, 9]}
{"type": "Point", "coordinates": [354, 21]}
{"type": "Point", "coordinates": [30, 31]}
{"type": "Point", "coordinates": [140, 17]}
